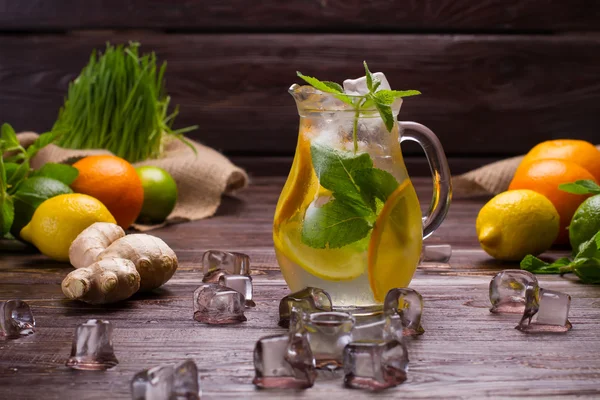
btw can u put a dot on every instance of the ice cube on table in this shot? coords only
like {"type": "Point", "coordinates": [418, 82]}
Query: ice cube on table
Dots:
{"type": "Point", "coordinates": [284, 361]}
{"type": "Point", "coordinates": [92, 346]}
{"type": "Point", "coordinates": [239, 283]}
{"type": "Point", "coordinates": [507, 291]}
{"type": "Point", "coordinates": [375, 364]}
{"type": "Point", "coordinates": [545, 311]}
{"type": "Point", "coordinates": [437, 254]}
{"type": "Point", "coordinates": [16, 319]}
{"type": "Point", "coordinates": [378, 327]}
{"type": "Point", "coordinates": [328, 333]}
{"type": "Point", "coordinates": [216, 263]}
{"type": "Point", "coordinates": [406, 304]}
{"type": "Point", "coordinates": [216, 304]}
{"type": "Point", "coordinates": [167, 382]}
{"type": "Point", "coordinates": [308, 299]}
{"type": "Point", "coordinates": [358, 87]}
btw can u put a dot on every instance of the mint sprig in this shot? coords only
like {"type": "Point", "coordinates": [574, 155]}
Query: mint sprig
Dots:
{"type": "Point", "coordinates": [380, 99]}
{"type": "Point", "coordinates": [357, 189]}
{"type": "Point", "coordinates": [585, 265]}
{"type": "Point", "coordinates": [581, 187]}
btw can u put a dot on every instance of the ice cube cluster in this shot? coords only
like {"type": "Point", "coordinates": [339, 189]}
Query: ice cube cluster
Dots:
{"type": "Point", "coordinates": [514, 291]}
{"type": "Point", "coordinates": [371, 350]}
{"type": "Point", "coordinates": [226, 290]}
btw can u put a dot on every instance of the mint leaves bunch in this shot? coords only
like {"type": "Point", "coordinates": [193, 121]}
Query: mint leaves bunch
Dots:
{"type": "Point", "coordinates": [585, 264]}
{"type": "Point", "coordinates": [382, 100]}
{"type": "Point", "coordinates": [359, 191]}
{"type": "Point", "coordinates": [15, 169]}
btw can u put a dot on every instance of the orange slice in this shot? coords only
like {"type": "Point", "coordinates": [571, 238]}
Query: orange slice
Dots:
{"type": "Point", "coordinates": [396, 241]}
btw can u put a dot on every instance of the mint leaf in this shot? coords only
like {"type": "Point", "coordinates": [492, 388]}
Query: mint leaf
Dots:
{"type": "Point", "coordinates": [537, 266]}
{"type": "Point", "coordinates": [588, 249]}
{"type": "Point", "coordinates": [333, 225]}
{"type": "Point", "coordinates": [61, 172]}
{"type": "Point", "coordinates": [334, 170]}
{"type": "Point", "coordinates": [324, 86]}
{"type": "Point", "coordinates": [581, 187]}
{"type": "Point", "coordinates": [369, 77]}
{"type": "Point", "coordinates": [375, 183]}
{"type": "Point", "coordinates": [385, 111]}
{"type": "Point", "coordinates": [16, 175]}
{"type": "Point", "coordinates": [588, 270]}
{"type": "Point", "coordinates": [44, 140]}
{"type": "Point", "coordinates": [9, 137]}
{"type": "Point", "coordinates": [7, 215]}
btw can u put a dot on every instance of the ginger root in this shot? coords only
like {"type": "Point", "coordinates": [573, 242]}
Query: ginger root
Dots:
{"type": "Point", "coordinates": [155, 261]}
{"type": "Point", "coordinates": [106, 281]}
{"type": "Point", "coordinates": [92, 241]}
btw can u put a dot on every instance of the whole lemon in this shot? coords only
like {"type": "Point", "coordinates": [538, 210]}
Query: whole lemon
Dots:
{"type": "Point", "coordinates": [59, 220]}
{"type": "Point", "coordinates": [516, 223]}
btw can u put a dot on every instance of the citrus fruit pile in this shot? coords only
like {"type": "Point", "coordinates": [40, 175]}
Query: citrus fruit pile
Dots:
{"type": "Point", "coordinates": [535, 213]}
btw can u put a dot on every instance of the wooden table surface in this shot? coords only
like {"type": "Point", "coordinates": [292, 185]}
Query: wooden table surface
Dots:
{"type": "Point", "coordinates": [465, 353]}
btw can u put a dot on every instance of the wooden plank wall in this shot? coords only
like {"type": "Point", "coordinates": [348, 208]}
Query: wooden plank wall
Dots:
{"type": "Point", "coordinates": [497, 76]}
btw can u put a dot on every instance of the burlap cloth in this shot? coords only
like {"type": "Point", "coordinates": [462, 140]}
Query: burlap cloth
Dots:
{"type": "Point", "coordinates": [201, 178]}
{"type": "Point", "coordinates": [488, 180]}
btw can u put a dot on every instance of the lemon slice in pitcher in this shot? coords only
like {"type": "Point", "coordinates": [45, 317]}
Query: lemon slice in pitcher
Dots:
{"type": "Point", "coordinates": [396, 241]}
{"type": "Point", "coordinates": [345, 263]}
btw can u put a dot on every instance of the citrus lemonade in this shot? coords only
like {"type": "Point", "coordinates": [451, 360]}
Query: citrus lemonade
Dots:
{"type": "Point", "coordinates": [348, 220]}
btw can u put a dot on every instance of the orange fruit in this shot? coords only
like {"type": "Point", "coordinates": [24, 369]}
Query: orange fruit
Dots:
{"type": "Point", "coordinates": [579, 152]}
{"type": "Point", "coordinates": [544, 176]}
{"type": "Point", "coordinates": [114, 182]}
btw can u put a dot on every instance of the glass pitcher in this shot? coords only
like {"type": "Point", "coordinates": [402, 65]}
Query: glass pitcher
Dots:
{"type": "Point", "coordinates": [348, 219]}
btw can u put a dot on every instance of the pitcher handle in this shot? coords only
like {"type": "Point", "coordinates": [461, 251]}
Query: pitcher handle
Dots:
{"type": "Point", "coordinates": [442, 183]}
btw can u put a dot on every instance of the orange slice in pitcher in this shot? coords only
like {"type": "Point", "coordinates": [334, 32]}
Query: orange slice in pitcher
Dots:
{"type": "Point", "coordinates": [396, 241]}
{"type": "Point", "coordinates": [301, 185]}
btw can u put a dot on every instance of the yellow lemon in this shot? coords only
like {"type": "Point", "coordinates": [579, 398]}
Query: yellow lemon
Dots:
{"type": "Point", "coordinates": [59, 220]}
{"type": "Point", "coordinates": [516, 223]}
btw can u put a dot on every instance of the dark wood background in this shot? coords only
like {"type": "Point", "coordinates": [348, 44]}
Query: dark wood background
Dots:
{"type": "Point", "coordinates": [497, 76]}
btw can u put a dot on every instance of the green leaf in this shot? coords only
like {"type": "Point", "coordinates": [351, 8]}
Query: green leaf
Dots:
{"type": "Point", "coordinates": [42, 141]}
{"type": "Point", "coordinates": [537, 266]}
{"type": "Point", "coordinates": [369, 77]}
{"type": "Point", "coordinates": [333, 225]}
{"type": "Point", "coordinates": [588, 271]}
{"type": "Point", "coordinates": [581, 187]}
{"type": "Point", "coordinates": [17, 176]}
{"type": "Point", "coordinates": [385, 111]}
{"type": "Point", "coordinates": [334, 170]}
{"type": "Point", "coordinates": [324, 86]}
{"type": "Point", "coordinates": [9, 137]}
{"type": "Point", "coordinates": [389, 96]}
{"type": "Point", "coordinates": [7, 215]}
{"type": "Point", "coordinates": [375, 183]}
{"type": "Point", "coordinates": [61, 172]}
{"type": "Point", "coordinates": [589, 248]}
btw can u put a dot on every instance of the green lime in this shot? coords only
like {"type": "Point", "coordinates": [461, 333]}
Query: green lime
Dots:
{"type": "Point", "coordinates": [585, 222]}
{"type": "Point", "coordinates": [160, 194]}
{"type": "Point", "coordinates": [31, 193]}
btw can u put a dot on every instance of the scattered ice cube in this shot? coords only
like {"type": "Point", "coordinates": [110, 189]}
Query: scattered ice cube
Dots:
{"type": "Point", "coordinates": [358, 87]}
{"type": "Point", "coordinates": [375, 364]}
{"type": "Point", "coordinates": [406, 304]}
{"type": "Point", "coordinates": [308, 299]}
{"type": "Point", "coordinates": [328, 333]}
{"type": "Point", "coordinates": [215, 304]}
{"type": "Point", "coordinates": [92, 346]}
{"type": "Point", "coordinates": [437, 254]}
{"type": "Point", "coordinates": [216, 263]}
{"type": "Point", "coordinates": [284, 361]}
{"type": "Point", "coordinates": [507, 290]}
{"type": "Point", "coordinates": [545, 311]}
{"type": "Point", "coordinates": [16, 319]}
{"type": "Point", "coordinates": [239, 283]}
{"type": "Point", "coordinates": [172, 382]}
{"type": "Point", "coordinates": [378, 327]}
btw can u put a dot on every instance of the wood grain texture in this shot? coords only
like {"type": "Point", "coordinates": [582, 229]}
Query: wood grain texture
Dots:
{"type": "Point", "coordinates": [465, 353]}
{"type": "Point", "coordinates": [294, 15]}
{"type": "Point", "coordinates": [483, 95]}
